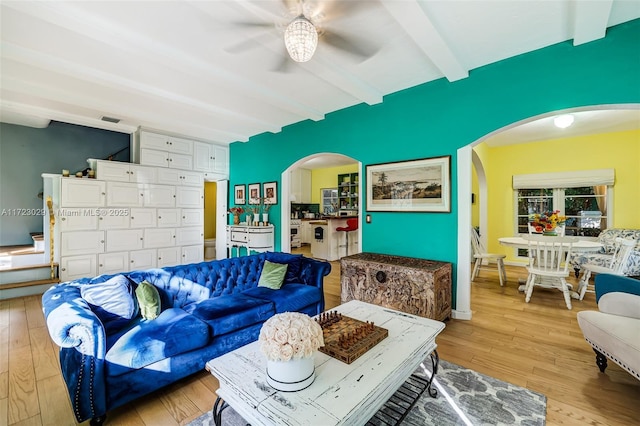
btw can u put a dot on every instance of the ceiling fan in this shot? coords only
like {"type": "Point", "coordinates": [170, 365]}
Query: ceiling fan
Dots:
{"type": "Point", "coordinates": [306, 24]}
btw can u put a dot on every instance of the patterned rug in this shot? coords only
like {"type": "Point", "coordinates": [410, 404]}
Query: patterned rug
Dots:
{"type": "Point", "coordinates": [465, 397]}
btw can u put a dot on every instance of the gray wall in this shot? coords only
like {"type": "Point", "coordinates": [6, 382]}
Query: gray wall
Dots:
{"type": "Point", "coordinates": [26, 153]}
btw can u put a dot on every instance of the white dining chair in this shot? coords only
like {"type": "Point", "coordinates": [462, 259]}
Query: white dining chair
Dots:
{"type": "Point", "coordinates": [548, 267]}
{"type": "Point", "coordinates": [480, 254]}
{"type": "Point", "coordinates": [621, 252]}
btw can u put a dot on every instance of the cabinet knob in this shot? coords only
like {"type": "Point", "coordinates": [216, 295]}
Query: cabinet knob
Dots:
{"type": "Point", "coordinates": [132, 261]}
{"type": "Point", "coordinates": [102, 241]}
{"type": "Point", "coordinates": [170, 159]}
{"type": "Point", "coordinates": [132, 217]}
{"type": "Point", "coordinates": [100, 218]}
{"type": "Point", "coordinates": [140, 238]}
{"type": "Point", "coordinates": [102, 193]}
{"type": "Point", "coordinates": [159, 217]}
{"type": "Point", "coordinates": [64, 218]}
{"type": "Point", "coordinates": [101, 265]}
{"type": "Point", "coordinates": [64, 269]}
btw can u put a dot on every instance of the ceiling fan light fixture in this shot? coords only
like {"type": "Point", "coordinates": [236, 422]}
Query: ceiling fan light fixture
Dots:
{"type": "Point", "coordinates": [301, 39]}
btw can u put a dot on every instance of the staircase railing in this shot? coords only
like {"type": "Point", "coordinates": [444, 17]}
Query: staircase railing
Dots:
{"type": "Point", "coordinates": [52, 222]}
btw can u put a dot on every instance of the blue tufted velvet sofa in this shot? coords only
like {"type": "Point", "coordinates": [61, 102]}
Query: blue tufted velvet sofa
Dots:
{"type": "Point", "coordinates": [208, 309]}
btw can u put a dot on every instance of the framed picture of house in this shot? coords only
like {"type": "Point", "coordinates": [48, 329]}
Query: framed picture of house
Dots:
{"type": "Point", "coordinates": [410, 186]}
{"type": "Point", "coordinates": [270, 194]}
{"type": "Point", "coordinates": [254, 193]}
{"type": "Point", "coordinates": [240, 194]}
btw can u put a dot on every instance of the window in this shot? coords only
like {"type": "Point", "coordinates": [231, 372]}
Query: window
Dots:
{"type": "Point", "coordinates": [585, 207]}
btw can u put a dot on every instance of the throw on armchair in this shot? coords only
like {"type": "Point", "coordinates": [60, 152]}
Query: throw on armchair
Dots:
{"type": "Point", "coordinates": [614, 329]}
{"type": "Point", "coordinates": [603, 257]}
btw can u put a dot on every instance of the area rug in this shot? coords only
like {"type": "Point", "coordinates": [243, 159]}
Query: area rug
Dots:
{"type": "Point", "coordinates": [465, 397]}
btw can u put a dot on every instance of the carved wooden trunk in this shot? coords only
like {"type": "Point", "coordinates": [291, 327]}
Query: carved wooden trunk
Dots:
{"type": "Point", "coordinates": [416, 286]}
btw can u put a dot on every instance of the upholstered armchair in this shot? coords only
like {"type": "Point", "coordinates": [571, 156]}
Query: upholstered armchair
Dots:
{"type": "Point", "coordinates": [603, 257]}
{"type": "Point", "coordinates": [613, 331]}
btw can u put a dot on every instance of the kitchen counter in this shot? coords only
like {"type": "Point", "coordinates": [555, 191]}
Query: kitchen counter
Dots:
{"type": "Point", "coordinates": [328, 248]}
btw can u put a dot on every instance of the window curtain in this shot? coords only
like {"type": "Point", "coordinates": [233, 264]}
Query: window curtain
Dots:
{"type": "Point", "coordinates": [573, 179]}
{"type": "Point", "coordinates": [601, 191]}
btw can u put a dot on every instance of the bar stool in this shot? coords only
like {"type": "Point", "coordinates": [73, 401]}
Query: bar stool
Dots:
{"type": "Point", "coordinates": [352, 225]}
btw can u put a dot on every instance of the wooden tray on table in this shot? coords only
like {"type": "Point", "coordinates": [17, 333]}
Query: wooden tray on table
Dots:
{"type": "Point", "coordinates": [346, 338]}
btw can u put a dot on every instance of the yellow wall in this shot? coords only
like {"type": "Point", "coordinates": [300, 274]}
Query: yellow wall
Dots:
{"type": "Point", "coordinates": [619, 151]}
{"type": "Point", "coordinates": [210, 195]}
{"type": "Point", "coordinates": [328, 178]}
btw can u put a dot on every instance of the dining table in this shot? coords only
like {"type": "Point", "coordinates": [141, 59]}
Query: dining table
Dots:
{"type": "Point", "coordinates": [521, 243]}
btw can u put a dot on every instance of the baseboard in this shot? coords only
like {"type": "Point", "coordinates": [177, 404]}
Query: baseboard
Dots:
{"type": "Point", "coordinates": [461, 315]}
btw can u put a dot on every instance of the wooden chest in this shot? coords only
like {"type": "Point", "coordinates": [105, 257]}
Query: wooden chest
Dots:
{"type": "Point", "coordinates": [416, 286]}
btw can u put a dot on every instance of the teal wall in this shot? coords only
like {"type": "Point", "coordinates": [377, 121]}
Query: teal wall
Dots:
{"type": "Point", "coordinates": [437, 118]}
{"type": "Point", "coordinates": [27, 152]}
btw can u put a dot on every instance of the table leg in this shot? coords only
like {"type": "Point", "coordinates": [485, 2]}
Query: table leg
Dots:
{"type": "Point", "coordinates": [435, 361]}
{"type": "Point", "coordinates": [218, 408]}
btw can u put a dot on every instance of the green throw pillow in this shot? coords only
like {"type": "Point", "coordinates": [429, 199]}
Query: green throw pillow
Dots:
{"type": "Point", "coordinates": [272, 275]}
{"type": "Point", "coordinates": [148, 300]}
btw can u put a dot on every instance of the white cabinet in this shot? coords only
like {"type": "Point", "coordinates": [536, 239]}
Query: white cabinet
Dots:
{"type": "Point", "coordinates": [111, 263]}
{"type": "Point", "coordinates": [166, 143]}
{"type": "Point", "coordinates": [143, 218]}
{"type": "Point", "coordinates": [159, 237]}
{"type": "Point", "coordinates": [122, 194]}
{"type": "Point", "coordinates": [190, 197]}
{"type": "Point", "coordinates": [210, 158]}
{"type": "Point", "coordinates": [143, 259]}
{"type": "Point", "coordinates": [189, 236]}
{"type": "Point", "coordinates": [124, 239]}
{"type": "Point", "coordinates": [124, 172]}
{"type": "Point", "coordinates": [114, 218]}
{"type": "Point", "coordinates": [169, 256]}
{"type": "Point", "coordinates": [192, 254]}
{"type": "Point", "coordinates": [168, 218]}
{"type": "Point", "coordinates": [76, 192]}
{"type": "Point", "coordinates": [75, 267]}
{"type": "Point", "coordinates": [81, 242]}
{"type": "Point", "coordinates": [179, 177]}
{"type": "Point", "coordinates": [160, 196]}
{"type": "Point", "coordinates": [77, 219]}
{"type": "Point", "coordinates": [252, 238]}
{"type": "Point", "coordinates": [152, 157]}
{"type": "Point", "coordinates": [192, 217]}
{"type": "Point", "coordinates": [307, 232]}
{"type": "Point", "coordinates": [300, 185]}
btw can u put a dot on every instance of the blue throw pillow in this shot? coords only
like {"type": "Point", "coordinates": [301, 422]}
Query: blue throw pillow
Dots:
{"type": "Point", "coordinates": [294, 262]}
{"type": "Point", "coordinates": [112, 301]}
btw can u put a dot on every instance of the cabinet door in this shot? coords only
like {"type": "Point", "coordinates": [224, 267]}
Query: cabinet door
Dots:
{"type": "Point", "coordinates": [203, 159]}
{"type": "Point", "coordinates": [77, 220]}
{"type": "Point", "coordinates": [220, 159]}
{"type": "Point", "coordinates": [114, 218]}
{"type": "Point", "coordinates": [159, 237]}
{"type": "Point", "coordinates": [190, 197]}
{"type": "Point", "coordinates": [181, 146]}
{"type": "Point", "coordinates": [169, 176]}
{"type": "Point", "coordinates": [192, 254]}
{"type": "Point", "coordinates": [154, 141]}
{"type": "Point", "coordinates": [121, 194]}
{"type": "Point", "coordinates": [81, 242]}
{"type": "Point", "coordinates": [75, 192]}
{"type": "Point", "coordinates": [142, 259]}
{"type": "Point", "coordinates": [75, 267]}
{"type": "Point", "coordinates": [124, 239]}
{"type": "Point", "coordinates": [160, 196]}
{"type": "Point", "coordinates": [191, 178]}
{"type": "Point", "coordinates": [189, 236]}
{"type": "Point", "coordinates": [112, 263]}
{"type": "Point", "coordinates": [151, 157]}
{"type": "Point", "coordinates": [192, 217]}
{"type": "Point", "coordinates": [169, 256]}
{"type": "Point", "coordinates": [112, 170]}
{"type": "Point", "coordinates": [180, 161]}
{"type": "Point", "coordinates": [168, 218]}
{"type": "Point", "coordinates": [143, 218]}
{"type": "Point", "coordinates": [142, 174]}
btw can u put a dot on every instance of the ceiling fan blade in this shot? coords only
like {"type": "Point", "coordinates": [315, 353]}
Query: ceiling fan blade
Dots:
{"type": "Point", "coordinates": [350, 44]}
{"type": "Point", "coordinates": [293, 6]}
{"type": "Point", "coordinates": [284, 64]}
{"type": "Point", "coordinates": [335, 10]}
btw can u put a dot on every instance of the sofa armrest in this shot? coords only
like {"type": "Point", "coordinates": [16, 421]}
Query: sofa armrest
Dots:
{"type": "Point", "coordinates": [609, 283]}
{"type": "Point", "coordinates": [77, 330]}
{"type": "Point", "coordinates": [620, 304]}
{"type": "Point", "coordinates": [313, 272]}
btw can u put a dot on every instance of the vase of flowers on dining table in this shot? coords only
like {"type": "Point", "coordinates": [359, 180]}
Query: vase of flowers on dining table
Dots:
{"type": "Point", "coordinates": [547, 222]}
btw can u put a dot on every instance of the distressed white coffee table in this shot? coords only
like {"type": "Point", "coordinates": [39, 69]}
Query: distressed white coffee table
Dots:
{"type": "Point", "coordinates": [342, 394]}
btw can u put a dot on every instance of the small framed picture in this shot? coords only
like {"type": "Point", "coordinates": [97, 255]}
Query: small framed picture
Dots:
{"type": "Point", "coordinates": [240, 194]}
{"type": "Point", "coordinates": [254, 193]}
{"type": "Point", "coordinates": [270, 192]}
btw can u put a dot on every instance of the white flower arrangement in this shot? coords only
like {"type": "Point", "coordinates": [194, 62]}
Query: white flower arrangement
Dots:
{"type": "Point", "coordinates": [290, 335]}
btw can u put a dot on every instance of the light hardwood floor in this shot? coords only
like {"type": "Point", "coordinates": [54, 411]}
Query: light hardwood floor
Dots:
{"type": "Point", "coordinates": [537, 345]}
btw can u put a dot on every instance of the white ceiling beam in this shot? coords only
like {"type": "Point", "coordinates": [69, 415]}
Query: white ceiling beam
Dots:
{"type": "Point", "coordinates": [590, 20]}
{"type": "Point", "coordinates": [412, 16]}
{"type": "Point", "coordinates": [65, 15]}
